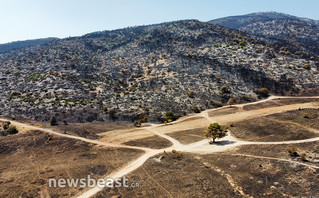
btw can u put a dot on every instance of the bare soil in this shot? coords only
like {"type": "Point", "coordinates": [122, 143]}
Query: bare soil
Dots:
{"type": "Point", "coordinates": [265, 129]}
{"type": "Point", "coordinates": [311, 149]}
{"type": "Point", "coordinates": [279, 102]}
{"type": "Point", "coordinates": [218, 175]}
{"type": "Point", "coordinates": [153, 142]}
{"type": "Point", "coordinates": [188, 136]}
{"type": "Point", "coordinates": [224, 111]}
{"type": "Point", "coordinates": [252, 161]}
{"type": "Point", "coordinates": [298, 116]}
{"type": "Point", "coordinates": [29, 159]}
{"type": "Point", "coordinates": [170, 177]}
{"type": "Point", "coordinates": [271, 103]}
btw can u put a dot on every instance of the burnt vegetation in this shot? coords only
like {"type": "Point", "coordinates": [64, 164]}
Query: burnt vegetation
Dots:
{"type": "Point", "coordinates": [181, 67]}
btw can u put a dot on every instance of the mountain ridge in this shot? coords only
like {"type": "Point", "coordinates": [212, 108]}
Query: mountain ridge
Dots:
{"type": "Point", "coordinates": [25, 43]}
{"type": "Point", "coordinates": [182, 66]}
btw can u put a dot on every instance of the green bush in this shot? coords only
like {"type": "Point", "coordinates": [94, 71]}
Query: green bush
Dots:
{"type": "Point", "coordinates": [293, 151]}
{"type": "Point", "coordinates": [141, 119]}
{"type": "Point", "coordinates": [6, 125]}
{"type": "Point", "coordinates": [196, 109]}
{"type": "Point", "coordinates": [264, 92]}
{"type": "Point", "coordinates": [12, 129]}
{"type": "Point", "coordinates": [169, 117]}
{"type": "Point", "coordinates": [137, 123]}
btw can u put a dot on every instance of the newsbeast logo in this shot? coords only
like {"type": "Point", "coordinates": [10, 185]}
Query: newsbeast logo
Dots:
{"type": "Point", "coordinates": [91, 182]}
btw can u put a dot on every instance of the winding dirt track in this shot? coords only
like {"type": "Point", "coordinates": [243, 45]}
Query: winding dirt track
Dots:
{"type": "Point", "coordinates": [200, 147]}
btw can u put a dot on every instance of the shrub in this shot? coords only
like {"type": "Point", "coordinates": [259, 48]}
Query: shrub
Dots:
{"type": "Point", "coordinates": [196, 109]}
{"type": "Point", "coordinates": [216, 103]}
{"type": "Point", "coordinates": [264, 92]}
{"type": "Point", "coordinates": [137, 123]}
{"type": "Point", "coordinates": [12, 129]}
{"type": "Point", "coordinates": [225, 89]}
{"type": "Point", "coordinates": [306, 115]}
{"type": "Point", "coordinates": [191, 94]}
{"type": "Point", "coordinates": [6, 125]}
{"type": "Point", "coordinates": [141, 118]}
{"type": "Point", "coordinates": [3, 133]}
{"type": "Point", "coordinates": [169, 117]}
{"type": "Point", "coordinates": [293, 151]}
{"type": "Point", "coordinates": [15, 93]}
{"type": "Point", "coordinates": [306, 66]}
{"type": "Point", "coordinates": [177, 155]}
{"type": "Point", "coordinates": [246, 98]}
{"type": "Point", "coordinates": [53, 121]}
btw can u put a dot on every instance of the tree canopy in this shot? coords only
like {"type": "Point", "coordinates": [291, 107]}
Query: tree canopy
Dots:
{"type": "Point", "coordinates": [215, 131]}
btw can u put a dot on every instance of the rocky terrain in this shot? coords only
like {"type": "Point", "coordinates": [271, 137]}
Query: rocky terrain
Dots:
{"type": "Point", "coordinates": [281, 28]}
{"type": "Point", "coordinates": [125, 74]}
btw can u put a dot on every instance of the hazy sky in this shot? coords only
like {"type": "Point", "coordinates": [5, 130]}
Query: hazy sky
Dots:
{"type": "Point", "coordinates": [30, 19]}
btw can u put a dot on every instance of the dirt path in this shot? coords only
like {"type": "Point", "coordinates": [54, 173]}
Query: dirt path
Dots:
{"type": "Point", "coordinates": [229, 178]}
{"type": "Point", "coordinates": [175, 142]}
{"type": "Point", "coordinates": [124, 171]}
{"type": "Point", "coordinates": [202, 119]}
{"type": "Point", "coordinates": [50, 131]}
{"type": "Point", "coordinates": [200, 147]}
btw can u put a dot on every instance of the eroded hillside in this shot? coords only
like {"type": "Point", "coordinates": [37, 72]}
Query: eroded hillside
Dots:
{"type": "Point", "coordinates": [179, 66]}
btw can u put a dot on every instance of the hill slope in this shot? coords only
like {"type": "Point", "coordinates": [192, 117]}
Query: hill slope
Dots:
{"type": "Point", "coordinates": [297, 31]}
{"type": "Point", "coordinates": [122, 74]}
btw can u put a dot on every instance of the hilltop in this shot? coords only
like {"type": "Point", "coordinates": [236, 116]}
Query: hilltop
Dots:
{"type": "Point", "coordinates": [282, 28]}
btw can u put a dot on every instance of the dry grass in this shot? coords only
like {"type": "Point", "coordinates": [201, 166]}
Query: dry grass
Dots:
{"type": "Point", "coordinates": [28, 160]}
{"type": "Point", "coordinates": [188, 136]}
{"type": "Point", "coordinates": [153, 142]}
{"type": "Point", "coordinates": [264, 129]}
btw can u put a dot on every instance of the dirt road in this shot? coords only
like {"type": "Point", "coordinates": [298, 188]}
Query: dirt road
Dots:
{"type": "Point", "coordinates": [116, 138]}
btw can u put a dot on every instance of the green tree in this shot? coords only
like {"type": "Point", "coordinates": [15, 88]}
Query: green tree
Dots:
{"type": "Point", "coordinates": [216, 131]}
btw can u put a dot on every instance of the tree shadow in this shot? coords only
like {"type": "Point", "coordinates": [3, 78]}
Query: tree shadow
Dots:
{"type": "Point", "coordinates": [222, 143]}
